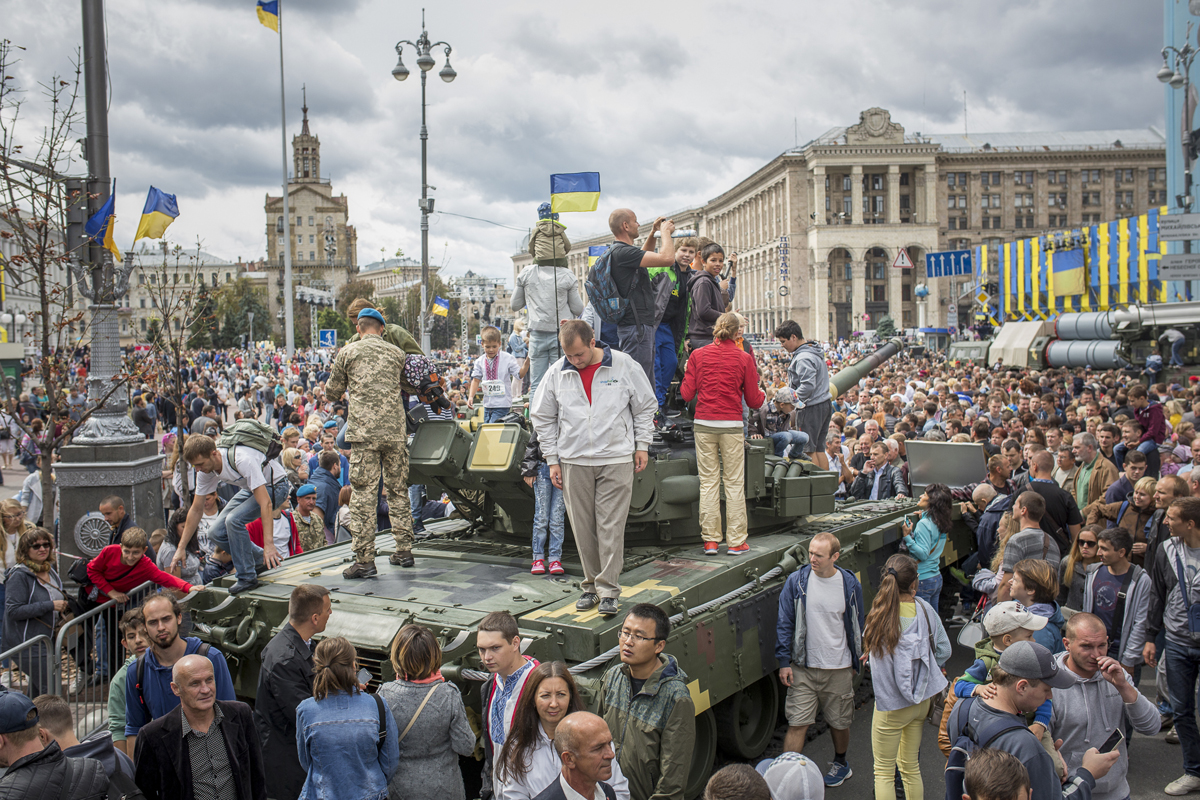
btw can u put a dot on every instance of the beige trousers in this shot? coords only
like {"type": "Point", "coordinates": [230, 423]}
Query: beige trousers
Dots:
{"type": "Point", "coordinates": [598, 504]}
{"type": "Point", "coordinates": [721, 458]}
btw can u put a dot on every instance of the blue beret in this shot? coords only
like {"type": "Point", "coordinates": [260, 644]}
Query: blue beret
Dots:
{"type": "Point", "coordinates": [306, 490]}
{"type": "Point", "coordinates": [332, 423]}
{"type": "Point", "coordinates": [371, 313]}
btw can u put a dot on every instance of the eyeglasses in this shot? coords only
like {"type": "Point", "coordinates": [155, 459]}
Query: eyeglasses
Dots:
{"type": "Point", "coordinates": [636, 637]}
{"type": "Point", "coordinates": [41, 546]}
{"type": "Point", "coordinates": [1087, 543]}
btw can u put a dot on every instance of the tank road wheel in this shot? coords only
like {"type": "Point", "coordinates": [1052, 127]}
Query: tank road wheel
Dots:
{"type": "Point", "coordinates": [704, 753]}
{"type": "Point", "coordinates": [746, 721]}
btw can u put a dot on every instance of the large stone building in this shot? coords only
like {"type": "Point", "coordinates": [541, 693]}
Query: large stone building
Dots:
{"type": "Point", "coordinates": [324, 244]}
{"type": "Point", "coordinates": [846, 203]}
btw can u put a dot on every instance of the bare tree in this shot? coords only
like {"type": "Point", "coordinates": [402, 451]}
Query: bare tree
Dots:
{"type": "Point", "coordinates": [34, 200]}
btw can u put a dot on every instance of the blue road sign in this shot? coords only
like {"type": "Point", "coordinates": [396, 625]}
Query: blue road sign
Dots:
{"type": "Point", "coordinates": [327, 337]}
{"type": "Point", "coordinates": [948, 262]}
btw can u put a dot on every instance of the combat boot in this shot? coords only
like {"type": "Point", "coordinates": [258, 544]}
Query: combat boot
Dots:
{"type": "Point", "coordinates": [402, 558]}
{"type": "Point", "coordinates": [360, 570]}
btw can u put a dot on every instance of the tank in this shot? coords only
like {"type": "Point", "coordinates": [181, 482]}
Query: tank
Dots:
{"type": "Point", "coordinates": [724, 609]}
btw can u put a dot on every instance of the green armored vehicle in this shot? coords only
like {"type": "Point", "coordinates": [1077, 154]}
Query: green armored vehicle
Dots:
{"type": "Point", "coordinates": [724, 609]}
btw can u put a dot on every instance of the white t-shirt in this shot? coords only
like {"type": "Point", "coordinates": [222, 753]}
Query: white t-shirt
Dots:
{"type": "Point", "coordinates": [824, 610]}
{"type": "Point", "coordinates": [282, 535]}
{"type": "Point", "coordinates": [245, 471]}
{"type": "Point", "coordinates": [497, 391]}
{"type": "Point", "coordinates": [203, 540]}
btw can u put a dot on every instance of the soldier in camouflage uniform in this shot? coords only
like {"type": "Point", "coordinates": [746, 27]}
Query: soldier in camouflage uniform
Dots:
{"type": "Point", "coordinates": [309, 522]}
{"type": "Point", "coordinates": [370, 370]}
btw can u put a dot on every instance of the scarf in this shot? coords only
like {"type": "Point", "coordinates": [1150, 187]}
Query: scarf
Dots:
{"type": "Point", "coordinates": [39, 569]}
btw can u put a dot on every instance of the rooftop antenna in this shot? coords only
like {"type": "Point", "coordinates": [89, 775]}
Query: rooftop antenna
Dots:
{"type": "Point", "coordinates": [966, 132]}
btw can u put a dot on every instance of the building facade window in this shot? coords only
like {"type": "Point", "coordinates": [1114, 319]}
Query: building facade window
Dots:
{"type": "Point", "coordinates": [1057, 199]}
{"type": "Point", "coordinates": [1023, 201]}
{"type": "Point", "coordinates": [310, 222]}
{"type": "Point", "coordinates": [989, 178]}
{"type": "Point", "coordinates": [1124, 199]}
{"type": "Point", "coordinates": [1091, 219]}
{"type": "Point", "coordinates": [1090, 175]}
{"type": "Point", "coordinates": [1123, 175]}
{"type": "Point", "coordinates": [1057, 220]}
{"type": "Point", "coordinates": [1023, 178]}
{"type": "Point", "coordinates": [956, 179]}
{"type": "Point", "coordinates": [1158, 197]}
{"type": "Point", "coordinates": [299, 221]}
{"type": "Point", "coordinates": [1156, 175]}
{"type": "Point", "coordinates": [846, 187]}
{"type": "Point", "coordinates": [1091, 199]}
{"type": "Point", "coordinates": [1058, 177]}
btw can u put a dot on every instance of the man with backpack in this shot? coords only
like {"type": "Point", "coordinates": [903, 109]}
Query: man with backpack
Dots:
{"type": "Point", "coordinates": [1024, 677]}
{"type": "Point", "coordinates": [619, 285]}
{"type": "Point", "coordinates": [245, 456]}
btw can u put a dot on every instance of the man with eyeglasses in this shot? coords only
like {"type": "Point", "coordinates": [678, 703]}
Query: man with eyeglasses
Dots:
{"type": "Point", "coordinates": [818, 641]}
{"type": "Point", "coordinates": [646, 703]}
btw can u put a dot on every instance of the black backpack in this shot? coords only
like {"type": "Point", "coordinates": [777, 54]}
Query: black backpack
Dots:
{"type": "Point", "coordinates": [966, 744]}
{"type": "Point", "coordinates": [606, 298]}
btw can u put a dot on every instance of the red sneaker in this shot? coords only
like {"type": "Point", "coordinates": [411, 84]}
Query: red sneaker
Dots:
{"type": "Point", "coordinates": [741, 550]}
{"type": "Point", "coordinates": [556, 568]}
{"type": "Point", "coordinates": [711, 548]}
{"type": "Point", "coordinates": [539, 567]}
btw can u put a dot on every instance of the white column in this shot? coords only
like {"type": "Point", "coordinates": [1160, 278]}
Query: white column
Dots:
{"type": "Point", "coordinates": [895, 303]}
{"type": "Point", "coordinates": [858, 289]}
{"type": "Point", "coordinates": [893, 197]}
{"type": "Point", "coordinates": [820, 304]}
{"type": "Point", "coordinates": [818, 206]}
{"type": "Point", "coordinates": [856, 195]}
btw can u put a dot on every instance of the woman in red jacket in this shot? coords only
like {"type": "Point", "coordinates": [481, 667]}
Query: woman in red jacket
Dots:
{"type": "Point", "coordinates": [720, 376]}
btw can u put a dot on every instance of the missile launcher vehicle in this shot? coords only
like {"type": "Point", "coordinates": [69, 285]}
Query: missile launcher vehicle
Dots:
{"type": "Point", "coordinates": [724, 609]}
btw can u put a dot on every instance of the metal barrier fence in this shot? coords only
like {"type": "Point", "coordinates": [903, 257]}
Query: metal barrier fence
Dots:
{"type": "Point", "coordinates": [89, 653]}
{"type": "Point", "coordinates": [29, 666]}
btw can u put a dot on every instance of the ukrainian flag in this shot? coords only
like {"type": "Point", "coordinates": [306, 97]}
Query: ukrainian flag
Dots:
{"type": "Point", "coordinates": [100, 227]}
{"type": "Point", "coordinates": [268, 14]}
{"type": "Point", "coordinates": [1068, 272]}
{"type": "Point", "coordinates": [575, 191]}
{"type": "Point", "coordinates": [157, 215]}
{"type": "Point", "coordinates": [594, 253]}
{"type": "Point", "coordinates": [441, 306]}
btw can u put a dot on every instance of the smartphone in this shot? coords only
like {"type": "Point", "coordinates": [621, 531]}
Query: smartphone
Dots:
{"type": "Point", "coordinates": [1112, 741]}
{"type": "Point", "coordinates": [363, 676]}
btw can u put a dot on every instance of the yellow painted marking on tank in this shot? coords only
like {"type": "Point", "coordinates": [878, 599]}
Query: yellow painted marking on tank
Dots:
{"type": "Point", "coordinates": [949, 552]}
{"type": "Point", "coordinates": [651, 585]}
{"type": "Point", "coordinates": [701, 700]}
{"type": "Point", "coordinates": [570, 612]}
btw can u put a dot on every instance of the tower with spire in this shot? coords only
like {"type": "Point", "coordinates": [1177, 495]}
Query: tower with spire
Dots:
{"type": "Point", "coordinates": [306, 150]}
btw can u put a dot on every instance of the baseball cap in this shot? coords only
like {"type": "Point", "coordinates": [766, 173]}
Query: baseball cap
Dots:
{"type": "Point", "coordinates": [793, 776]}
{"type": "Point", "coordinates": [1010, 615]}
{"type": "Point", "coordinates": [1031, 661]}
{"type": "Point", "coordinates": [371, 313]}
{"type": "Point", "coordinates": [14, 713]}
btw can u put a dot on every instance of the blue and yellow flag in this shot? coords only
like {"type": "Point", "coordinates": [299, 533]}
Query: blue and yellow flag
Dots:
{"type": "Point", "coordinates": [100, 227]}
{"type": "Point", "coordinates": [575, 191]}
{"type": "Point", "coordinates": [1068, 272]}
{"type": "Point", "coordinates": [268, 14]}
{"type": "Point", "coordinates": [441, 306]}
{"type": "Point", "coordinates": [594, 253]}
{"type": "Point", "coordinates": [157, 215]}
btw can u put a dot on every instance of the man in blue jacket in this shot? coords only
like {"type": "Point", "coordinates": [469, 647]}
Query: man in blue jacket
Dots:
{"type": "Point", "coordinates": [818, 641]}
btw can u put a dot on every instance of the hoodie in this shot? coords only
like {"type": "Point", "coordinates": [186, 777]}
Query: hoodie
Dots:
{"type": "Point", "coordinates": [1154, 425]}
{"type": "Point", "coordinates": [1132, 635]}
{"type": "Point", "coordinates": [808, 374]}
{"type": "Point", "coordinates": [1086, 714]}
{"type": "Point", "coordinates": [1049, 637]}
{"type": "Point", "coordinates": [100, 747]}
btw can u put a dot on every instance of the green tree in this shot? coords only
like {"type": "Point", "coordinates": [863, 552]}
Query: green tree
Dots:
{"type": "Point", "coordinates": [886, 327]}
{"type": "Point", "coordinates": [153, 331]}
{"type": "Point", "coordinates": [328, 318]}
{"type": "Point", "coordinates": [235, 302]}
{"type": "Point", "coordinates": [351, 292]}
{"type": "Point", "coordinates": [203, 327]}
{"type": "Point", "coordinates": [390, 307]}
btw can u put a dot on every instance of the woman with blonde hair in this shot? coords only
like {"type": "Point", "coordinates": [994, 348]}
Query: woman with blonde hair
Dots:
{"type": "Point", "coordinates": [719, 377]}
{"type": "Point", "coordinates": [907, 646]}
{"type": "Point", "coordinates": [431, 719]}
{"type": "Point", "coordinates": [1132, 513]}
{"type": "Point", "coordinates": [338, 731]}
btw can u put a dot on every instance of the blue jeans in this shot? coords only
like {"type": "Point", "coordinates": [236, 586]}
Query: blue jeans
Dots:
{"type": "Point", "coordinates": [548, 516]}
{"type": "Point", "coordinates": [665, 361]}
{"type": "Point", "coordinates": [1183, 668]}
{"type": "Point", "coordinates": [784, 438]}
{"type": "Point", "coordinates": [543, 350]}
{"type": "Point", "coordinates": [1177, 353]}
{"type": "Point", "coordinates": [930, 590]}
{"type": "Point", "coordinates": [229, 528]}
{"type": "Point", "coordinates": [1120, 449]}
{"type": "Point", "coordinates": [495, 414]}
{"type": "Point", "coordinates": [416, 494]}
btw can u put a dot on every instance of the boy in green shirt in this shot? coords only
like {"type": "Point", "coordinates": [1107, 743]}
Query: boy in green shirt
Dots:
{"type": "Point", "coordinates": [132, 629]}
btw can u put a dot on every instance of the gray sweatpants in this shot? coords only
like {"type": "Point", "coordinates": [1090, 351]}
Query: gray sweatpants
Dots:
{"type": "Point", "coordinates": [597, 505]}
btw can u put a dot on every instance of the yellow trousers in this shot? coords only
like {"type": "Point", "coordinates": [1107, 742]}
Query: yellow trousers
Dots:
{"type": "Point", "coordinates": [895, 742]}
{"type": "Point", "coordinates": [721, 458]}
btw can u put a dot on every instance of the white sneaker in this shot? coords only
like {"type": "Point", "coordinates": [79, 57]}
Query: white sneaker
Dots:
{"type": "Point", "coordinates": [1183, 785]}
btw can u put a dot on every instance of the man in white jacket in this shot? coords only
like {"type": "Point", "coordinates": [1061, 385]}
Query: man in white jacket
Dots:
{"type": "Point", "coordinates": [593, 414]}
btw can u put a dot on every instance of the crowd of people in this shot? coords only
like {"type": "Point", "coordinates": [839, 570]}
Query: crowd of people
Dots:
{"type": "Point", "coordinates": [1087, 531]}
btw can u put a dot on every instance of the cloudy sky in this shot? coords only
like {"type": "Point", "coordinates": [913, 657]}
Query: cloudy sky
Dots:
{"type": "Point", "coordinates": [672, 102]}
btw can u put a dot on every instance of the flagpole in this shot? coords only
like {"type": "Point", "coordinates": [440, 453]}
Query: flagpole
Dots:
{"type": "Point", "coordinates": [289, 330]}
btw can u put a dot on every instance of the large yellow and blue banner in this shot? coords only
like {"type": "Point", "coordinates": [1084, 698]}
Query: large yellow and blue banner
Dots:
{"type": "Point", "coordinates": [160, 211]}
{"type": "Point", "coordinates": [268, 13]}
{"type": "Point", "coordinates": [574, 191]}
{"type": "Point", "coordinates": [1083, 269]}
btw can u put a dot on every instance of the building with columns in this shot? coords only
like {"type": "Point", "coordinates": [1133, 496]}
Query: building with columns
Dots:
{"type": "Point", "coordinates": [846, 203]}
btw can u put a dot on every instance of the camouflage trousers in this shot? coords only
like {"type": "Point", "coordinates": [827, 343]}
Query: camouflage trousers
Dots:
{"type": "Point", "coordinates": [312, 533]}
{"type": "Point", "coordinates": [368, 462]}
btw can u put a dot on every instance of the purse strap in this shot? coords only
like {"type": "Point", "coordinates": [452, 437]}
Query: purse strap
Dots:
{"type": "Point", "coordinates": [420, 708]}
{"type": "Point", "coordinates": [1183, 584]}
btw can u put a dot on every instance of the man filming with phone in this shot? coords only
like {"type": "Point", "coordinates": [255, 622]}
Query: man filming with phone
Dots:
{"type": "Point", "coordinates": [1094, 709]}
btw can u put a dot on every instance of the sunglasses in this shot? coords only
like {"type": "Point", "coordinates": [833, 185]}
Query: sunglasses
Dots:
{"type": "Point", "coordinates": [1087, 543]}
{"type": "Point", "coordinates": [41, 546]}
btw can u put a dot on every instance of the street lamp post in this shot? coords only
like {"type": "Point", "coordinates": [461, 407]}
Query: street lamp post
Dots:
{"type": "Point", "coordinates": [426, 62]}
{"type": "Point", "coordinates": [1179, 77]}
{"type": "Point", "coordinates": [251, 316]}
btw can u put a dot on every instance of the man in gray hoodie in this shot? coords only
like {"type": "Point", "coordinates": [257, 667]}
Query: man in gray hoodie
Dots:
{"type": "Point", "coordinates": [808, 375]}
{"type": "Point", "coordinates": [1086, 714]}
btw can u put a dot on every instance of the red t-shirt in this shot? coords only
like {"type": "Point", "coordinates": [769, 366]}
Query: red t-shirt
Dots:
{"type": "Point", "coordinates": [586, 374]}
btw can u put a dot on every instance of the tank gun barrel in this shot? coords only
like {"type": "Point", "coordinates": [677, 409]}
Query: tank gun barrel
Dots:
{"type": "Point", "coordinates": [848, 376]}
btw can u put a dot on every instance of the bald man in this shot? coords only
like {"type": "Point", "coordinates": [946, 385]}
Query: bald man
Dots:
{"type": "Point", "coordinates": [207, 748]}
{"type": "Point", "coordinates": [636, 330]}
{"type": "Point", "coordinates": [585, 745]}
